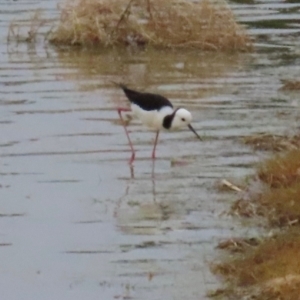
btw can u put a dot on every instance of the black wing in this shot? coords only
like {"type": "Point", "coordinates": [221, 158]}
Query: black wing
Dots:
{"type": "Point", "coordinates": [146, 101]}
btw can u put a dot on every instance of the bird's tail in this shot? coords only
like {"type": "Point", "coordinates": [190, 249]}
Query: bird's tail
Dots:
{"type": "Point", "coordinates": [130, 94]}
{"type": "Point", "coordinates": [120, 84]}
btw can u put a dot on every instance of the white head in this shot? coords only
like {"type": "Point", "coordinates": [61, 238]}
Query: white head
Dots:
{"type": "Point", "coordinates": [182, 118]}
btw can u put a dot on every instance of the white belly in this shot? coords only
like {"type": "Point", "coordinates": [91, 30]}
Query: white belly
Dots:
{"type": "Point", "coordinates": [152, 119]}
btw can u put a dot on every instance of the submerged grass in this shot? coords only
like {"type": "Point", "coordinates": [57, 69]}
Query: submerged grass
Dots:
{"type": "Point", "coordinates": [205, 25]}
{"type": "Point", "coordinates": [271, 142]}
{"type": "Point", "coordinates": [290, 85]}
{"type": "Point", "coordinates": [31, 26]}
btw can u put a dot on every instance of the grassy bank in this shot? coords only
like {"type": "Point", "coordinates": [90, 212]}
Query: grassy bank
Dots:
{"type": "Point", "coordinates": [268, 268]}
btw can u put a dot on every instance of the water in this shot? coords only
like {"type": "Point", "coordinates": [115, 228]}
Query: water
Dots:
{"type": "Point", "coordinates": [76, 220]}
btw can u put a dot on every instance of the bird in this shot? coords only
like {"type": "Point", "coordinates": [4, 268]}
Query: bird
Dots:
{"type": "Point", "coordinates": [156, 112]}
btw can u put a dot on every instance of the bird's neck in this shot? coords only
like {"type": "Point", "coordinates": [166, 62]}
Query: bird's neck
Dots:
{"type": "Point", "coordinates": [168, 119]}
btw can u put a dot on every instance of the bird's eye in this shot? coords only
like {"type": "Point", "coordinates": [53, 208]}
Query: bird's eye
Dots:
{"type": "Point", "coordinates": [183, 119]}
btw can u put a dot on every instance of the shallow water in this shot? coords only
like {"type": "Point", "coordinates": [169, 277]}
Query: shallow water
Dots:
{"type": "Point", "coordinates": [76, 221]}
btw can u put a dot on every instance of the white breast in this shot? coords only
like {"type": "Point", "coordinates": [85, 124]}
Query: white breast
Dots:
{"type": "Point", "coordinates": [152, 119]}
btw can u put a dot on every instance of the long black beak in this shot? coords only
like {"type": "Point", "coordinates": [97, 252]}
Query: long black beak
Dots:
{"type": "Point", "coordinates": [193, 130]}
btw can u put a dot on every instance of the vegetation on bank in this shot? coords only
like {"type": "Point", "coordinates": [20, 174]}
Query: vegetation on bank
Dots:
{"type": "Point", "coordinates": [269, 270]}
{"type": "Point", "coordinates": [267, 267]}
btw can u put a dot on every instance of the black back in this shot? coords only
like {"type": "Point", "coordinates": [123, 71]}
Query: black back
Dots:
{"type": "Point", "coordinates": [146, 101]}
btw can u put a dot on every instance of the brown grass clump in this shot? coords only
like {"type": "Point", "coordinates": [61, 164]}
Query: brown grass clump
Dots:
{"type": "Point", "coordinates": [282, 170]}
{"type": "Point", "coordinates": [270, 142]}
{"type": "Point", "coordinates": [273, 268]}
{"type": "Point", "coordinates": [282, 205]}
{"type": "Point", "coordinates": [160, 23]}
{"type": "Point", "coordinates": [276, 196]}
{"type": "Point", "coordinates": [290, 85]}
{"type": "Point", "coordinates": [269, 269]}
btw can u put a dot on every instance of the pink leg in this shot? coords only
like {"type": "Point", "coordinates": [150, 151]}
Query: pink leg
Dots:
{"type": "Point", "coordinates": [155, 143]}
{"type": "Point", "coordinates": [127, 134]}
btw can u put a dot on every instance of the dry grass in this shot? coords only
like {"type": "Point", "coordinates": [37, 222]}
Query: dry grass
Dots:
{"type": "Point", "coordinates": [277, 197]}
{"type": "Point", "coordinates": [238, 245]}
{"type": "Point", "coordinates": [278, 206]}
{"type": "Point", "coordinates": [270, 142]}
{"type": "Point", "coordinates": [282, 205]}
{"type": "Point", "coordinates": [31, 27]}
{"type": "Point", "coordinates": [272, 269]}
{"type": "Point", "coordinates": [282, 170]}
{"type": "Point", "coordinates": [290, 85]}
{"type": "Point", "coordinates": [160, 23]}
{"type": "Point", "coordinates": [269, 269]}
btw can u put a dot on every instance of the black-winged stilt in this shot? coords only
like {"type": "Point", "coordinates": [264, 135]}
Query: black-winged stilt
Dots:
{"type": "Point", "coordinates": [156, 112]}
